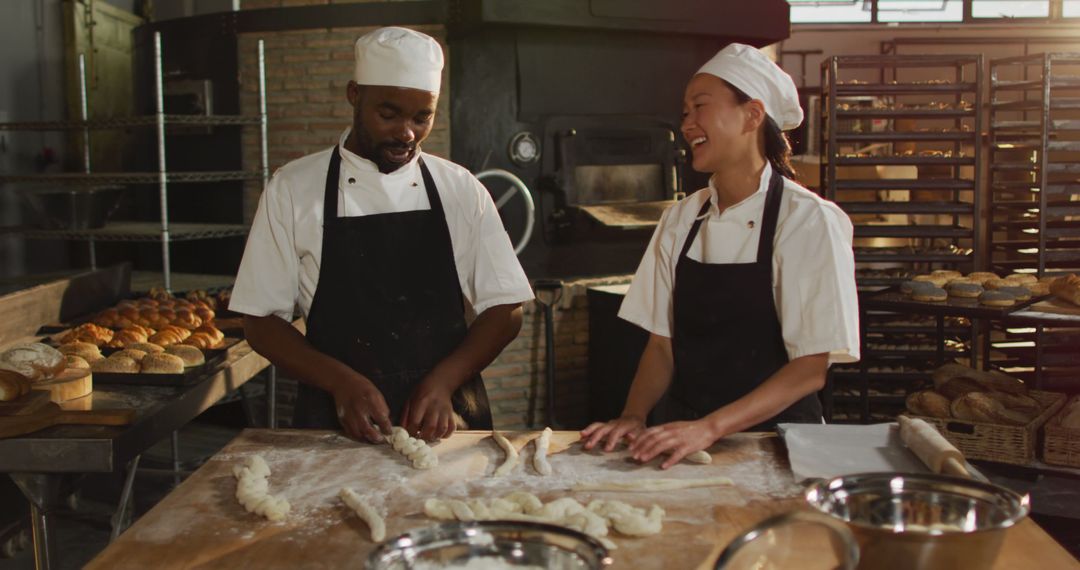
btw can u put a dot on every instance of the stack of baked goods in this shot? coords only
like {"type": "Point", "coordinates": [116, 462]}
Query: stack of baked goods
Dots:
{"type": "Point", "coordinates": [23, 365]}
{"type": "Point", "coordinates": [967, 394]}
{"type": "Point", "coordinates": [989, 288]}
{"type": "Point", "coordinates": [150, 359]}
{"type": "Point", "coordinates": [1066, 288]}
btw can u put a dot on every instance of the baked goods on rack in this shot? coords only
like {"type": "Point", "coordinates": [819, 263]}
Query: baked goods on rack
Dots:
{"type": "Point", "coordinates": [189, 354]}
{"type": "Point", "coordinates": [1067, 288]}
{"type": "Point", "coordinates": [13, 385]}
{"type": "Point", "coordinates": [35, 361]}
{"type": "Point", "coordinates": [162, 363]}
{"type": "Point", "coordinates": [88, 352]}
{"type": "Point", "coordinates": [977, 396]}
{"type": "Point", "coordinates": [88, 332]}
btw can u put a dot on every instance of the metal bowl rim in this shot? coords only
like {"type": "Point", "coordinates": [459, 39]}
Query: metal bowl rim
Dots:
{"type": "Point", "coordinates": [1023, 508]}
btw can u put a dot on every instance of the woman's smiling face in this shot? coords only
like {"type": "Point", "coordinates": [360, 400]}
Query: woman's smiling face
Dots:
{"type": "Point", "coordinates": [715, 125]}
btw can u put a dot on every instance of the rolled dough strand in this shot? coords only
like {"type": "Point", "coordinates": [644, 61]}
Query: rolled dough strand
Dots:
{"type": "Point", "coordinates": [540, 461]}
{"type": "Point", "coordinates": [699, 457]}
{"type": "Point", "coordinates": [511, 455]}
{"type": "Point", "coordinates": [366, 513]}
{"type": "Point", "coordinates": [415, 450]}
{"type": "Point", "coordinates": [654, 484]}
{"type": "Point", "coordinates": [931, 447]}
{"type": "Point", "coordinates": [252, 490]}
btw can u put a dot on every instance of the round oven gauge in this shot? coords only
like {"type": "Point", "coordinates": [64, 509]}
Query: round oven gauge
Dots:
{"type": "Point", "coordinates": [524, 148]}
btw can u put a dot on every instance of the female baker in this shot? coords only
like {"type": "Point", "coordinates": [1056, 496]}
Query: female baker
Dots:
{"type": "Point", "coordinates": [748, 286]}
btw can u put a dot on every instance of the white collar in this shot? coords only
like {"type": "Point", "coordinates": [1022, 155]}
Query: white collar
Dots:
{"type": "Point", "coordinates": [742, 210]}
{"type": "Point", "coordinates": [355, 162]}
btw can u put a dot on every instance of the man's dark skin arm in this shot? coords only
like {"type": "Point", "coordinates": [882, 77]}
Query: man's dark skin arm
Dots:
{"type": "Point", "coordinates": [361, 407]}
{"type": "Point", "coordinates": [428, 412]}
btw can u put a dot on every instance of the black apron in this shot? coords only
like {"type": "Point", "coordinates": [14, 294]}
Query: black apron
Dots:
{"type": "Point", "coordinates": [388, 304]}
{"type": "Point", "coordinates": [727, 339]}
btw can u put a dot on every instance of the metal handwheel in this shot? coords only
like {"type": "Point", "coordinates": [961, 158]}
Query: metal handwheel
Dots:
{"type": "Point", "coordinates": [499, 177]}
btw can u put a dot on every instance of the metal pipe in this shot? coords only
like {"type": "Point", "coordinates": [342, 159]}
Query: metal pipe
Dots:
{"type": "Point", "coordinates": [84, 115]}
{"type": "Point", "coordinates": [43, 546]}
{"type": "Point", "coordinates": [125, 498]}
{"type": "Point", "coordinates": [176, 457]}
{"type": "Point", "coordinates": [271, 397]}
{"type": "Point", "coordinates": [163, 191]}
{"type": "Point", "coordinates": [264, 163]}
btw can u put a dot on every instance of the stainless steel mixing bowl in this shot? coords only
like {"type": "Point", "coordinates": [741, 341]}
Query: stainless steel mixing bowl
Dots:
{"type": "Point", "coordinates": [516, 544]}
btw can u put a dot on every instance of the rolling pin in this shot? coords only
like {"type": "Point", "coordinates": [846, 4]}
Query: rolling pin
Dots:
{"type": "Point", "coordinates": [931, 447]}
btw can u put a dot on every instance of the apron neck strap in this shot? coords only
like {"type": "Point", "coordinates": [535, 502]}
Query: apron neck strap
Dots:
{"type": "Point", "coordinates": [768, 221]}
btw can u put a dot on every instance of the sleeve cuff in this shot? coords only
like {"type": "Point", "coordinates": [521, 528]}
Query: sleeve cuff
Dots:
{"type": "Point", "coordinates": [508, 299]}
{"type": "Point", "coordinates": [253, 311]}
{"type": "Point", "coordinates": [839, 352]}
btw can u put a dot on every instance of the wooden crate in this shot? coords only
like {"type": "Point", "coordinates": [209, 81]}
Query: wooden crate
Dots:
{"type": "Point", "coordinates": [996, 442]}
{"type": "Point", "coordinates": [1061, 445]}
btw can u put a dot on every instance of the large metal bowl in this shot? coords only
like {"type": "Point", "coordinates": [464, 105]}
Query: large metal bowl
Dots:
{"type": "Point", "coordinates": [73, 208]}
{"type": "Point", "coordinates": [920, 520]}
{"type": "Point", "coordinates": [515, 544]}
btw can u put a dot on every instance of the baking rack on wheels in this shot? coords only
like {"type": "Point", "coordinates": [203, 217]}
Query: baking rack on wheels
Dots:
{"type": "Point", "coordinates": [900, 154]}
{"type": "Point", "coordinates": [88, 185]}
{"type": "Point", "coordinates": [1034, 170]}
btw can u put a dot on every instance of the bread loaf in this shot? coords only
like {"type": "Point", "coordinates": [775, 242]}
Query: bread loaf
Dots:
{"type": "Point", "coordinates": [88, 352]}
{"type": "Point", "coordinates": [1067, 288]}
{"type": "Point", "coordinates": [134, 354]}
{"type": "Point", "coordinates": [76, 362]}
{"type": "Point", "coordinates": [24, 370]}
{"type": "Point", "coordinates": [957, 387]}
{"type": "Point", "coordinates": [189, 354]}
{"type": "Point", "coordinates": [43, 357]}
{"type": "Point", "coordinates": [117, 364]}
{"type": "Point", "coordinates": [146, 347]}
{"type": "Point", "coordinates": [10, 388]}
{"type": "Point", "coordinates": [982, 407]}
{"type": "Point", "coordinates": [162, 363]}
{"type": "Point", "coordinates": [928, 403]}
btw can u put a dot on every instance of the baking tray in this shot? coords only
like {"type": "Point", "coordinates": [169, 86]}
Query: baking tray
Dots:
{"type": "Point", "coordinates": [892, 299]}
{"type": "Point", "coordinates": [191, 375]}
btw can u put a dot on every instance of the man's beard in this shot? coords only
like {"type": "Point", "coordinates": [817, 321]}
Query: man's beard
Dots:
{"type": "Point", "coordinates": [376, 152]}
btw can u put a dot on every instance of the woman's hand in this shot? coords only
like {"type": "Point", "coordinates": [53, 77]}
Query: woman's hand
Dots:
{"type": "Point", "coordinates": [678, 439]}
{"type": "Point", "coordinates": [614, 430]}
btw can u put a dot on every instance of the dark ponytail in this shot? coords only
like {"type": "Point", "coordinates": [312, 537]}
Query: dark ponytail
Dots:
{"type": "Point", "coordinates": [777, 147]}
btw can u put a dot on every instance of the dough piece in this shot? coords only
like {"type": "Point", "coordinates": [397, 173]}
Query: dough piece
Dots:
{"type": "Point", "coordinates": [252, 490]}
{"type": "Point", "coordinates": [928, 403]}
{"type": "Point", "coordinates": [415, 450]}
{"type": "Point", "coordinates": [511, 455]}
{"type": "Point", "coordinates": [653, 484]}
{"type": "Point", "coordinates": [932, 295]}
{"type": "Point", "coordinates": [927, 443]}
{"type": "Point", "coordinates": [366, 513]}
{"type": "Point", "coordinates": [540, 462]}
{"type": "Point", "coordinates": [630, 520]}
{"type": "Point", "coordinates": [699, 457]}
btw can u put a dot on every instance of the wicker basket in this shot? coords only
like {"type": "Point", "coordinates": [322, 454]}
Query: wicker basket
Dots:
{"type": "Point", "coordinates": [1061, 445]}
{"type": "Point", "coordinates": [997, 442]}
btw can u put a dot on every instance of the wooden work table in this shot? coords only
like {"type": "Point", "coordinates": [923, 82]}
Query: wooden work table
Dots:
{"type": "Point", "coordinates": [201, 524]}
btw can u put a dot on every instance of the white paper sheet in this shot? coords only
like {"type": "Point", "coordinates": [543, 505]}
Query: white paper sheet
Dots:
{"type": "Point", "coordinates": [826, 451]}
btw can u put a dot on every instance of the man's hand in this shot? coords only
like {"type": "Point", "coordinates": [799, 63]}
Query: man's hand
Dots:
{"type": "Point", "coordinates": [678, 439]}
{"type": "Point", "coordinates": [362, 409]}
{"type": "Point", "coordinates": [429, 414]}
{"type": "Point", "coordinates": [614, 431]}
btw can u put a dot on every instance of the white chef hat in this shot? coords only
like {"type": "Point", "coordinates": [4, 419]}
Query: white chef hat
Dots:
{"type": "Point", "coordinates": [750, 70]}
{"type": "Point", "coordinates": [399, 57]}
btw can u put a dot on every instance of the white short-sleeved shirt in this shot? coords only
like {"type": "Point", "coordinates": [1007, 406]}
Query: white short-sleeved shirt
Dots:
{"type": "Point", "coordinates": [813, 266]}
{"type": "Point", "coordinates": [280, 268]}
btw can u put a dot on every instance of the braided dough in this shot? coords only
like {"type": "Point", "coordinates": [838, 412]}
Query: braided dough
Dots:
{"type": "Point", "coordinates": [252, 490]}
{"type": "Point", "coordinates": [540, 462]}
{"type": "Point", "coordinates": [511, 455]}
{"type": "Point", "coordinates": [653, 484]}
{"type": "Point", "coordinates": [415, 450]}
{"type": "Point", "coordinates": [365, 512]}
{"type": "Point", "coordinates": [595, 519]}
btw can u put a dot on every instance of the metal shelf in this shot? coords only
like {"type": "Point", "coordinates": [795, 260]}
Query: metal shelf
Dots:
{"type": "Point", "coordinates": [1035, 144]}
{"type": "Point", "coordinates": [911, 258]}
{"type": "Point", "coordinates": [904, 136]}
{"type": "Point", "coordinates": [1051, 167]}
{"type": "Point", "coordinates": [128, 122]}
{"type": "Point", "coordinates": [905, 160]}
{"type": "Point", "coordinates": [135, 232]}
{"type": "Point", "coordinates": [1032, 84]}
{"type": "Point", "coordinates": [1055, 103]}
{"type": "Point", "coordinates": [1056, 125]}
{"type": "Point", "coordinates": [928, 231]}
{"type": "Point", "coordinates": [913, 113]}
{"type": "Point", "coordinates": [843, 89]}
{"type": "Point", "coordinates": [906, 207]}
{"type": "Point", "coordinates": [904, 184]}
{"type": "Point", "coordinates": [110, 178]}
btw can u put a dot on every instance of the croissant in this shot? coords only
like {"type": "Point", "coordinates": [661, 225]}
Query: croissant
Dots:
{"type": "Point", "coordinates": [187, 320]}
{"type": "Point", "coordinates": [204, 313]}
{"type": "Point", "coordinates": [179, 331]}
{"type": "Point", "coordinates": [212, 331]}
{"type": "Point", "coordinates": [165, 338]}
{"type": "Point", "coordinates": [199, 340]}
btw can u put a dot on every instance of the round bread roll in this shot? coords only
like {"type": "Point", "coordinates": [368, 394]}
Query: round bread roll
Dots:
{"type": "Point", "coordinates": [997, 284]}
{"type": "Point", "coordinates": [1019, 403]}
{"type": "Point", "coordinates": [121, 364]}
{"type": "Point", "coordinates": [189, 354]}
{"type": "Point", "coordinates": [937, 280]}
{"type": "Point", "coordinates": [934, 295]}
{"type": "Point", "coordinates": [1023, 278]}
{"type": "Point", "coordinates": [964, 290]}
{"type": "Point", "coordinates": [960, 280]}
{"type": "Point", "coordinates": [954, 388]}
{"type": "Point", "coordinates": [88, 352]}
{"type": "Point", "coordinates": [997, 299]}
{"type": "Point", "coordinates": [134, 354]}
{"type": "Point", "coordinates": [162, 363]}
{"type": "Point", "coordinates": [45, 358]}
{"type": "Point", "coordinates": [949, 273]}
{"type": "Point", "coordinates": [981, 277]}
{"type": "Point", "coordinates": [1039, 289]}
{"type": "Point", "coordinates": [928, 403]}
{"type": "Point", "coordinates": [1020, 293]}
{"type": "Point", "coordinates": [146, 347]}
{"type": "Point", "coordinates": [76, 362]}
{"type": "Point", "coordinates": [909, 287]}
{"type": "Point", "coordinates": [13, 385]}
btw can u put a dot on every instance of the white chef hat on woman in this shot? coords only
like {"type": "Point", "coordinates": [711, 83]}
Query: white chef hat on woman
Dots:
{"type": "Point", "coordinates": [753, 73]}
{"type": "Point", "coordinates": [399, 57]}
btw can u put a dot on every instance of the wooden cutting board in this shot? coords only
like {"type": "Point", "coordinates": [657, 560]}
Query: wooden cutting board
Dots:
{"type": "Point", "coordinates": [70, 384]}
{"type": "Point", "coordinates": [1056, 306]}
{"type": "Point", "coordinates": [51, 415]}
{"type": "Point", "coordinates": [27, 404]}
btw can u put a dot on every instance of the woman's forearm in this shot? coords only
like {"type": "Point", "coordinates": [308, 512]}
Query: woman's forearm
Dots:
{"type": "Point", "coordinates": [794, 381]}
{"type": "Point", "coordinates": [654, 373]}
